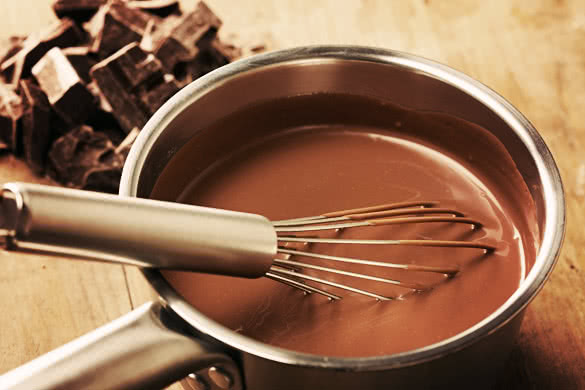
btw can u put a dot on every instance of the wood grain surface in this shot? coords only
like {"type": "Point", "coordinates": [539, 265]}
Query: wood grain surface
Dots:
{"type": "Point", "coordinates": [531, 52]}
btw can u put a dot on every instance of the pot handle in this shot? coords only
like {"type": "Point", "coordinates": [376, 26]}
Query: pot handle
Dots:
{"type": "Point", "coordinates": [144, 232]}
{"type": "Point", "coordinates": [143, 349]}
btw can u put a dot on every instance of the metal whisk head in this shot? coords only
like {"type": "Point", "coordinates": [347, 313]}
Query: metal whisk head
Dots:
{"type": "Point", "coordinates": [289, 271]}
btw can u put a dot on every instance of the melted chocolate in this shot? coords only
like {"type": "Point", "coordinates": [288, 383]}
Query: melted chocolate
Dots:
{"type": "Point", "coordinates": [308, 155]}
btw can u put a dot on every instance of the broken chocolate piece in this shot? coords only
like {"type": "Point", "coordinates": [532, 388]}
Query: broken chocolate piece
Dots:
{"type": "Point", "coordinates": [124, 148]}
{"type": "Point", "coordinates": [64, 88]}
{"type": "Point", "coordinates": [162, 8]}
{"type": "Point", "coordinates": [127, 142]}
{"type": "Point", "coordinates": [10, 47]}
{"type": "Point", "coordinates": [78, 10]}
{"type": "Point", "coordinates": [81, 60]}
{"type": "Point", "coordinates": [105, 122]}
{"type": "Point", "coordinates": [113, 77]}
{"type": "Point", "coordinates": [154, 97]}
{"type": "Point", "coordinates": [36, 132]}
{"type": "Point", "coordinates": [186, 37]}
{"type": "Point", "coordinates": [217, 54]}
{"type": "Point", "coordinates": [258, 48]}
{"type": "Point", "coordinates": [136, 66]}
{"type": "Point", "coordinates": [85, 159]}
{"type": "Point", "coordinates": [7, 50]}
{"type": "Point", "coordinates": [116, 25]}
{"type": "Point", "coordinates": [224, 52]}
{"type": "Point", "coordinates": [4, 148]}
{"type": "Point", "coordinates": [10, 117]}
{"type": "Point", "coordinates": [64, 34]}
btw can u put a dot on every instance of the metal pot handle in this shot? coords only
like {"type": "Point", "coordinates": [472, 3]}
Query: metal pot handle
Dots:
{"type": "Point", "coordinates": [142, 349]}
{"type": "Point", "coordinates": [127, 230]}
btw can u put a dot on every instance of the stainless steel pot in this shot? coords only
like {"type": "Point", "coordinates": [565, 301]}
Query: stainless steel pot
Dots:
{"type": "Point", "coordinates": [164, 341]}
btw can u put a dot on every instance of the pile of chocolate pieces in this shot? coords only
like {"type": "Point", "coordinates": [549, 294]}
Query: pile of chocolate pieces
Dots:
{"type": "Point", "coordinates": [74, 97]}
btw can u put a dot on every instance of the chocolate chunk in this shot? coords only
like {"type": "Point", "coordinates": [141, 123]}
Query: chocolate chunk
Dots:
{"type": "Point", "coordinates": [224, 52]}
{"type": "Point", "coordinates": [64, 88]}
{"type": "Point", "coordinates": [116, 25]}
{"type": "Point", "coordinates": [9, 49]}
{"type": "Point", "coordinates": [81, 60]}
{"type": "Point", "coordinates": [141, 75]}
{"type": "Point", "coordinates": [217, 54]}
{"type": "Point", "coordinates": [186, 36]}
{"type": "Point", "coordinates": [86, 159]}
{"type": "Point", "coordinates": [105, 122]}
{"type": "Point", "coordinates": [114, 134]}
{"type": "Point", "coordinates": [113, 76]}
{"type": "Point", "coordinates": [124, 148]}
{"type": "Point", "coordinates": [258, 48]}
{"type": "Point", "coordinates": [64, 34]}
{"type": "Point", "coordinates": [136, 66]}
{"type": "Point", "coordinates": [153, 97]}
{"type": "Point", "coordinates": [10, 118]}
{"type": "Point", "coordinates": [4, 148]}
{"type": "Point", "coordinates": [162, 8]}
{"type": "Point", "coordinates": [78, 10]}
{"type": "Point", "coordinates": [36, 133]}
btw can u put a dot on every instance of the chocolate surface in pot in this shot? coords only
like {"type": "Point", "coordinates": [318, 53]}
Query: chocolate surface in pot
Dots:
{"type": "Point", "coordinates": [307, 155]}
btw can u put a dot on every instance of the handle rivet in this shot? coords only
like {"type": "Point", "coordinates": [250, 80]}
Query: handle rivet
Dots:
{"type": "Point", "coordinates": [220, 378]}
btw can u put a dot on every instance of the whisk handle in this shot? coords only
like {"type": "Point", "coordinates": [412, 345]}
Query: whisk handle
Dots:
{"type": "Point", "coordinates": [143, 232]}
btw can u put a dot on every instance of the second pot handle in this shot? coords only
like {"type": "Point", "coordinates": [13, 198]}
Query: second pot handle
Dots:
{"type": "Point", "coordinates": [139, 350]}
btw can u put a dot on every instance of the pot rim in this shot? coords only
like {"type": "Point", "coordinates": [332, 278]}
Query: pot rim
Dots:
{"type": "Point", "coordinates": [553, 195]}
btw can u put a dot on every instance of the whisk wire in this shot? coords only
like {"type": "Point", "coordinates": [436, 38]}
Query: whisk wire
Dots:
{"type": "Point", "coordinates": [367, 216]}
{"type": "Point", "coordinates": [290, 271]}
{"type": "Point", "coordinates": [300, 285]}
{"type": "Point", "coordinates": [279, 270]}
{"type": "Point", "coordinates": [412, 286]}
{"type": "Point", "coordinates": [377, 222]}
{"type": "Point", "coordinates": [452, 270]}
{"type": "Point", "coordinates": [361, 210]}
{"type": "Point", "coordinates": [433, 243]}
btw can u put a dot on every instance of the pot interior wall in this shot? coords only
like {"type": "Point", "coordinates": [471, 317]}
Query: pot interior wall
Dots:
{"type": "Point", "coordinates": [397, 85]}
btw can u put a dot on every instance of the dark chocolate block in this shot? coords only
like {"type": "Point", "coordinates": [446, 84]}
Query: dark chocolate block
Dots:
{"type": "Point", "coordinates": [36, 120]}
{"type": "Point", "coordinates": [7, 50]}
{"type": "Point", "coordinates": [10, 118]}
{"type": "Point", "coordinates": [217, 54]}
{"type": "Point", "coordinates": [64, 34]}
{"type": "Point", "coordinates": [86, 159]}
{"type": "Point", "coordinates": [162, 8]}
{"type": "Point", "coordinates": [224, 52]}
{"type": "Point", "coordinates": [81, 60]}
{"type": "Point", "coordinates": [64, 88]}
{"type": "Point", "coordinates": [186, 36]}
{"type": "Point", "coordinates": [124, 147]}
{"type": "Point", "coordinates": [105, 122]}
{"type": "Point", "coordinates": [113, 78]}
{"type": "Point", "coordinates": [78, 10]}
{"type": "Point", "coordinates": [116, 25]}
{"type": "Point", "coordinates": [136, 66]}
{"type": "Point", "coordinates": [153, 97]}
{"type": "Point", "coordinates": [133, 83]}
{"type": "Point", "coordinates": [10, 47]}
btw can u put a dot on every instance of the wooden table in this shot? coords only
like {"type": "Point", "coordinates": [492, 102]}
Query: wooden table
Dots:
{"type": "Point", "coordinates": [531, 52]}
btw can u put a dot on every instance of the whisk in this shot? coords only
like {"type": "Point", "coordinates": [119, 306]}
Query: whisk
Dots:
{"type": "Point", "coordinates": [167, 235]}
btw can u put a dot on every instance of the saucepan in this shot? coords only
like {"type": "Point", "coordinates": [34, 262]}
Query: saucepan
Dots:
{"type": "Point", "coordinates": [168, 339]}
